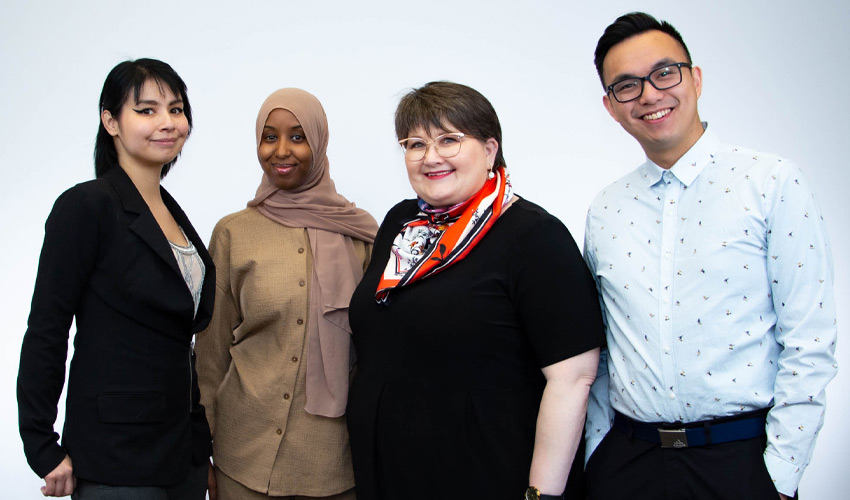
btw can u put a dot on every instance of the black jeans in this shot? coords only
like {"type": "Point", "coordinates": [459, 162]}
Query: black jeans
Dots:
{"type": "Point", "coordinates": [623, 467]}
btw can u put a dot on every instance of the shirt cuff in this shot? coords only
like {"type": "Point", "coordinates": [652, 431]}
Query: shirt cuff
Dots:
{"type": "Point", "coordinates": [786, 476]}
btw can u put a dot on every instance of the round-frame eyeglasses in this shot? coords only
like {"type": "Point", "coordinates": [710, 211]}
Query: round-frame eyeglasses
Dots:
{"type": "Point", "coordinates": [445, 145]}
{"type": "Point", "coordinates": [663, 78]}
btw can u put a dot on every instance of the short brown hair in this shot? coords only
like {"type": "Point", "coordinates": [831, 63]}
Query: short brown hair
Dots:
{"type": "Point", "coordinates": [438, 104]}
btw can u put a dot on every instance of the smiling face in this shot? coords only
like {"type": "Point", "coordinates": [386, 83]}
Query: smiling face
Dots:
{"type": "Point", "coordinates": [665, 122]}
{"type": "Point", "coordinates": [148, 132]}
{"type": "Point", "coordinates": [283, 152]}
{"type": "Point", "coordinates": [443, 182]}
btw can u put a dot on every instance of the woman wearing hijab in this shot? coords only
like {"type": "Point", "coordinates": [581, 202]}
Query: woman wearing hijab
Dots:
{"type": "Point", "coordinates": [476, 325]}
{"type": "Point", "coordinates": [274, 364]}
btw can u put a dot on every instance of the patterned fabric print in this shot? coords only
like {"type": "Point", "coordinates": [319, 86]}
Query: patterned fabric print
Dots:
{"type": "Point", "coordinates": [191, 267]}
{"type": "Point", "coordinates": [716, 284]}
{"type": "Point", "coordinates": [433, 241]}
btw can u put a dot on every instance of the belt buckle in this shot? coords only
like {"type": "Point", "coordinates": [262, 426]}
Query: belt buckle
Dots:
{"type": "Point", "coordinates": [673, 438]}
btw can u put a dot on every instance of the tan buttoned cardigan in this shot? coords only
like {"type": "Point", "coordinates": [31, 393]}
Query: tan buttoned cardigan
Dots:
{"type": "Point", "coordinates": [251, 363]}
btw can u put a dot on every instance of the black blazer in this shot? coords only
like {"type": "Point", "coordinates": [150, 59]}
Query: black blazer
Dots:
{"type": "Point", "coordinates": [132, 414]}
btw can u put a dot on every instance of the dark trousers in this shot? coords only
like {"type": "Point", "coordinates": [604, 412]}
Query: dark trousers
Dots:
{"type": "Point", "coordinates": [194, 487]}
{"type": "Point", "coordinates": [623, 467]}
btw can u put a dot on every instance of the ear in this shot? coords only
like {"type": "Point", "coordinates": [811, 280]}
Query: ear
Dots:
{"type": "Point", "coordinates": [696, 74]}
{"type": "Point", "coordinates": [109, 122]}
{"type": "Point", "coordinates": [609, 106]}
{"type": "Point", "coordinates": [491, 147]}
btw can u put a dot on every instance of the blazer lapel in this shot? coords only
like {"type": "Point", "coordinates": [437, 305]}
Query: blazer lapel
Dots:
{"type": "Point", "coordinates": [144, 225]}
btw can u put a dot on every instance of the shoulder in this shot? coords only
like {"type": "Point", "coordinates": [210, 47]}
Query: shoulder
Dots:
{"type": "Point", "coordinates": [529, 225]}
{"type": "Point", "coordinates": [625, 186]}
{"type": "Point", "coordinates": [86, 198]}
{"type": "Point", "coordinates": [247, 220]}
{"type": "Point", "coordinates": [754, 162]}
{"type": "Point", "coordinates": [775, 175]}
{"type": "Point", "coordinates": [401, 212]}
{"type": "Point", "coordinates": [529, 216]}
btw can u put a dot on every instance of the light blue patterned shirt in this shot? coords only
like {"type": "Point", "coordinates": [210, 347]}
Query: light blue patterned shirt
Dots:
{"type": "Point", "coordinates": [715, 279]}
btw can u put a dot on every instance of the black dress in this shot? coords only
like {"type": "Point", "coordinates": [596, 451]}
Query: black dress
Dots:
{"type": "Point", "coordinates": [448, 385]}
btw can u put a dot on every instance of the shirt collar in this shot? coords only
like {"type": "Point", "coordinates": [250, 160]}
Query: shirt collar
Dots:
{"type": "Point", "coordinates": [689, 165]}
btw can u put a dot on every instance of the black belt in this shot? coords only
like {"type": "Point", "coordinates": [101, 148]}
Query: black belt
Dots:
{"type": "Point", "coordinates": [678, 435]}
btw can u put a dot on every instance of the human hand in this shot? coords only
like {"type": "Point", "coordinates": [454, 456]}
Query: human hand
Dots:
{"type": "Point", "coordinates": [784, 497]}
{"type": "Point", "coordinates": [211, 487]}
{"type": "Point", "coordinates": [61, 481]}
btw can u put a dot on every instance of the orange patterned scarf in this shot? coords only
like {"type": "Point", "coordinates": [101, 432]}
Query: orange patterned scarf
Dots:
{"type": "Point", "coordinates": [436, 239]}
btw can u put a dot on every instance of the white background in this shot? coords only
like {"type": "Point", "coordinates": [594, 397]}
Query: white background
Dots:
{"type": "Point", "coordinates": [776, 78]}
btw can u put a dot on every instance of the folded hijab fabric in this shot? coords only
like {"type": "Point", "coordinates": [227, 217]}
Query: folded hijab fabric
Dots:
{"type": "Point", "coordinates": [331, 222]}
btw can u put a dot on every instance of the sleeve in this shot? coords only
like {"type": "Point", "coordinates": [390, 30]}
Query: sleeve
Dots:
{"type": "Point", "coordinates": [800, 270]}
{"type": "Point", "coordinates": [212, 346]}
{"type": "Point", "coordinates": [555, 295]}
{"type": "Point", "coordinates": [68, 257]}
{"type": "Point", "coordinates": [600, 414]}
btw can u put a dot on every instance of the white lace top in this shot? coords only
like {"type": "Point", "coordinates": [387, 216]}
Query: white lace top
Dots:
{"type": "Point", "coordinates": [191, 266]}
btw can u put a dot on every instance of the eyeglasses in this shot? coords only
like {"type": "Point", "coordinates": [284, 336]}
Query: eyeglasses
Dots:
{"type": "Point", "coordinates": [446, 145]}
{"type": "Point", "coordinates": [663, 78]}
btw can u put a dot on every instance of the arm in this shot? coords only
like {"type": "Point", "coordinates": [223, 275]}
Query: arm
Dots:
{"type": "Point", "coordinates": [560, 420]}
{"type": "Point", "coordinates": [212, 346]}
{"type": "Point", "coordinates": [600, 414]}
{"type": "Point", "coordinates": [68, 256]}
{"type": "Point", "coordinates": [800, 270]}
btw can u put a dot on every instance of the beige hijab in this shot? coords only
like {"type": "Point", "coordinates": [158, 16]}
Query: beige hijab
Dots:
{"type": "Point", "coordinates": [331, 221]}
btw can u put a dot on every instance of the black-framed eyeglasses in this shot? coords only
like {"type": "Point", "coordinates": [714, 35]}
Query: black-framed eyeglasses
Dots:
{"type": "Point", "coordinates": [663, 78]}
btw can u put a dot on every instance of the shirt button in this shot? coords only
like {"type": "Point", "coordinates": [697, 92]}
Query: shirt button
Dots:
{"type": "Point", "coordinates": [299, 321]}
{"type": "Point", "coordinates": [667, 349]}
{"type": "Point", "coordinates": [300, 250]}
{"type": "Point", "coordinates": [301, 283]}
{"type": "Point", "coordinates": [279, 432]}
{"type": "Point", "coordinates": [671, 396]}
{"type": "Point", "coordinates": [286, 396]}
{"type": "Point", "coordinates": [294, 359]}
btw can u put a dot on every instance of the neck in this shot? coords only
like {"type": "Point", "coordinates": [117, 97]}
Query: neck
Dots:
{"type": "Point", "coordinates": [146, 181]}
{"type": "Point", "coordinates": [665, 157]}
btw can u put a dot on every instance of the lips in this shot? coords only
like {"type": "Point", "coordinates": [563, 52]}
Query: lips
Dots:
{"type": "Point", "coordinates": [439, 174]}
{"type": "Point", "coordinates": [283, 168]}
{"type": "Point", "coordinates": [657, 115]}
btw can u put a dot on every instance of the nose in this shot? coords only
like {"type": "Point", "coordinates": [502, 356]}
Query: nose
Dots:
{"type": "Point", "coordinates": [650, 94]}
{"type": "Point", "coordinates": [169, 122]}
{"type": "Point", "coordinates": [282, 150]}
{"type": "Point", "coordinates": [431, 155]}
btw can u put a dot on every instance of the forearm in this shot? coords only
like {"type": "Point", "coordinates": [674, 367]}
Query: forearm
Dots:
{"type": "Point", "coordinates": [559, 424]}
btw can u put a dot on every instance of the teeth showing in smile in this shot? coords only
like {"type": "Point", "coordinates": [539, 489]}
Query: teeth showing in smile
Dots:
{"type": "Point", "coordinates": [438, 174]}
{"type": "Point", "coordinates": [657, 114]}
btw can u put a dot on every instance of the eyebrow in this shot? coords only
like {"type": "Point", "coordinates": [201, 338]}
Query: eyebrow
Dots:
{"type": "Point", "coordinates": [275, 128]}
{"type": "Point", "coordinates": [660, 64]}
{"type": "Point", "coordinates": [150, 102]}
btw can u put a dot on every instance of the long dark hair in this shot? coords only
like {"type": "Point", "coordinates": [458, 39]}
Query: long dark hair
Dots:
{"type": "Point", "coordinates": [126, 77]}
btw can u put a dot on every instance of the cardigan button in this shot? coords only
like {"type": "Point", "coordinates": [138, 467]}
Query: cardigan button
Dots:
{"type": "Point", "coordinates": [301, 283]}
{"type": "Point", "coordinates": [301, 250]}
{"type": "Point", "coordinates": [299, 321]}
{"type": "Point", "coordinates": [294, 359]}
{"type": "Point", "coordinates": [279, 432]}
{"type": "Point", "coordinates": [286, 396]}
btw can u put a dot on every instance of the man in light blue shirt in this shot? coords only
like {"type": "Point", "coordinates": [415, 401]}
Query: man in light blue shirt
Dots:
{"type": "Point", "coordinates": [715, 278]}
